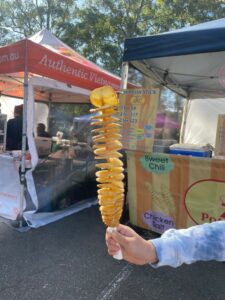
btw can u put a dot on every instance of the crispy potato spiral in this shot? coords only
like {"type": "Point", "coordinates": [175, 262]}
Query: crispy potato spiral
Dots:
{"type": "Point", "coordinates": [106, 146]}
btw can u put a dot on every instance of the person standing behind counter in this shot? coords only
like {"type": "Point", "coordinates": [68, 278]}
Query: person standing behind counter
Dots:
{"type": "Point", "coordinates": [41, 131]}
{"type": "Point", "coordinates": [14, 130]}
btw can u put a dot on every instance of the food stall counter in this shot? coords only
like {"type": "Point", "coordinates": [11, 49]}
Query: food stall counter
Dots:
{"type": "Point", "coordinates": [174, 191]}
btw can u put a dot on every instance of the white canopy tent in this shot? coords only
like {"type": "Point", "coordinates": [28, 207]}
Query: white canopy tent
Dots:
{"type": "Point", "coordinates": [191, 62]}
{"type": "Point", "coordinates": [42, 69]}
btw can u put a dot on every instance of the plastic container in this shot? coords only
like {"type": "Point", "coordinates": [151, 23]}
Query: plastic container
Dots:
{"type": "Point", "coordinates": [189, 149]}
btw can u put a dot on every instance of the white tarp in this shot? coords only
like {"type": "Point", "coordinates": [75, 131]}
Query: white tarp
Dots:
{"type": "Point", "coordinates": [9, 188]}
{"type": "Point", "coordinates": [41, 219]}
{"type": "Point", "coordinates": [201, 122]}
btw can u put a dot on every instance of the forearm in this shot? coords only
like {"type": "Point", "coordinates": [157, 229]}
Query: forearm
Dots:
{"type": "Point", "coordinates": [197, 243]}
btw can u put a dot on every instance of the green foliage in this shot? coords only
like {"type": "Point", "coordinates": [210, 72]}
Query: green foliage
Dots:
{"type": "Point", "coordinates": [73, 110]}
{"type": "Point", "coordinates": [19, 18]}
{"type": "Point", "coordinates": [102, 27]}
{"type": "Point", "coordinates": [173, 14]}
{"type": "Point", "coordinates": [97, 28]}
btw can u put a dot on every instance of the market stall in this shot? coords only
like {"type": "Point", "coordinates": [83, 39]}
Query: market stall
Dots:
{"type": "Point", "coordinates": [176, 190]}
{"type": "Point", "coordinates": [43, 69]}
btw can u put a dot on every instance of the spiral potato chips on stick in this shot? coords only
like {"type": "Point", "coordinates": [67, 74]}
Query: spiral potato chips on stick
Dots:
{"type": "Point", "coordinates": [106, 149]}
{"type": "Point", "coordinates": [106, 146]}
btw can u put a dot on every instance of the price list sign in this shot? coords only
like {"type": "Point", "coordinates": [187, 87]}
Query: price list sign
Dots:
{"type": "Point", "coordinates": [137, 112]}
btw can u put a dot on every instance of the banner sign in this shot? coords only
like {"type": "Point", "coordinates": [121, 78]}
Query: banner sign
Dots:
{"type": "Point", "coordinates": [9, 188]}
{"type": "Point", "coordinates": [174, 191]}
{"type": "Point", "coordinates": [137, 111]}
{"type": "Point", "coordinates": [12, 58]}
{"type": "Point", "coordinates": [47, 63]}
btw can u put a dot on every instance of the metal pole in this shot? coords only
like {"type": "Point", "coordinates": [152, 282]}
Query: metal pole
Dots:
{"type": "Point", "coordinates": [24, 144]}
{"type": "Point", "coordinates": [5, 135]}
{"type": "Point", "coordinates": [124, 75]}
{"type": "Point", "coordinates": [49, 109]}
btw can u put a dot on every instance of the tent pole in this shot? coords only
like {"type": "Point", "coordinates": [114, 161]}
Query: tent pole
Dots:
{"type": "Point", "coordinates": [184, 120]}
{"type": "Point", "coordinates": [24, 143]}
{"type": "Point", "coordinates": [49, 109]}
{"type": "Point", "coordinates": [124, 76]}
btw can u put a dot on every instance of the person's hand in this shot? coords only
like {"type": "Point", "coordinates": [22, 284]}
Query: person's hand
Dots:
{"type": "Point", "coordinates": [134, 248]}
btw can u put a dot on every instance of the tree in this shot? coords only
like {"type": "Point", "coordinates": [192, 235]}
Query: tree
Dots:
{"type": "Point", "coordinates": [21, 19]}
{"type": "Point", "coordinates": [102, 25]}
{"type": "Point", "coordinates": [173, 14]}
{"type": "Point", "coordinates": [97, 29]}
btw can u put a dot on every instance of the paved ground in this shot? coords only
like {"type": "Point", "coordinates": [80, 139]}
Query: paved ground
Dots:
{"type": "Point", "coordinates": [68, 260]}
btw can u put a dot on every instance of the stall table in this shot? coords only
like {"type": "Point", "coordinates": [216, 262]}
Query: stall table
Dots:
{"type": "Point", "coordinates": [174, 191]}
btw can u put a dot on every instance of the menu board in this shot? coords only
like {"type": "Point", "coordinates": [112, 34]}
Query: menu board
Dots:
{"type": "Point", "coordinates": [220, 136]}
{"type": "Point", "coordinates": [137, 112]}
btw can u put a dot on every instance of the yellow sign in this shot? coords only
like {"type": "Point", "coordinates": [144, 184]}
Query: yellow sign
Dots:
{"type": "Point", "coordinates": [137, 111]}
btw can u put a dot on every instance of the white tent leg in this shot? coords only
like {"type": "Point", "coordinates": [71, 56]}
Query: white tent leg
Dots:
{"type": "Point", "coordinates": [24, 143]}
{"type": "Point", "coordinates": [124, 76]}
{"type": "Point", "coordinates": [20, 219]}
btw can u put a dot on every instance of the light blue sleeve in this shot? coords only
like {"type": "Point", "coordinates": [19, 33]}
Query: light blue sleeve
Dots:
{"type": "Point", "coordinates": [197, 243]}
